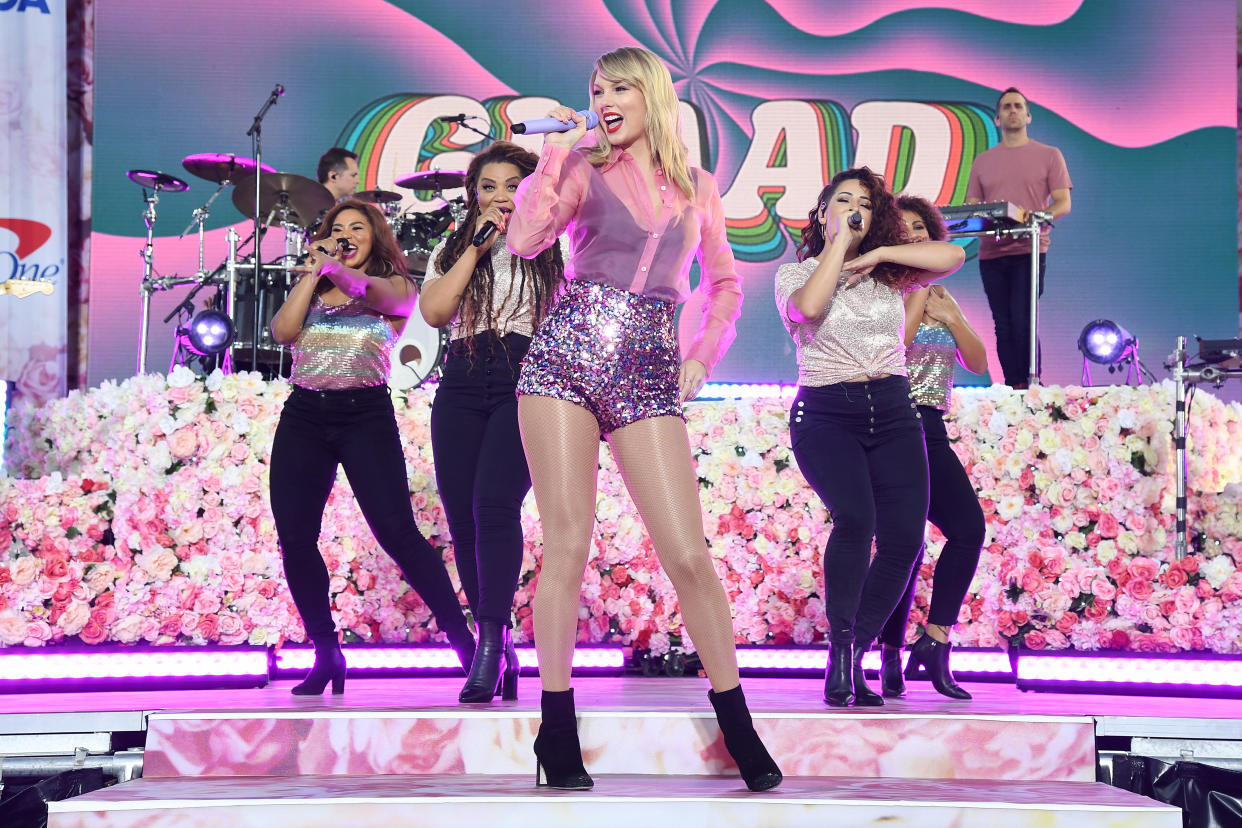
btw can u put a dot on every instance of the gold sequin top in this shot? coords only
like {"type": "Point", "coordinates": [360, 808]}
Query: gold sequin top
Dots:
{"type": "Point", "coordinates": [859, 334]}
{"type": "Point", "coordinates": [342, 346]}
{"type": "Point", "coordinates": [511, 295]}
{"type": "Point", "coordinates": [930, 360]}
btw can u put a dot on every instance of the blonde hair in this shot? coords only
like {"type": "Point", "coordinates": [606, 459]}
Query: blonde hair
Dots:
{"type": "Point", "coordinates": [649, 74]}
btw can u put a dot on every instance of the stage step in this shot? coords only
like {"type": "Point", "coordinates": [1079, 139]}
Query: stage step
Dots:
{"type": "Point", "coordinates": [672, 733]}
{"type": "Point", "coordinates": [497, 801]}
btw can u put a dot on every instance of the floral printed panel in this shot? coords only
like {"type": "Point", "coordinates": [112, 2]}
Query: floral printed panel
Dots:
{"type": "Point", "coordinates": [945, 747]}
{"type": "Point", "coordinates": [144, 518]}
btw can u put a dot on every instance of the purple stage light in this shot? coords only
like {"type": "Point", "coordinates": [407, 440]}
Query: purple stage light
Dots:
{"type": "Point", "coordinates": [978, 664]}
{"type": "Point", "coordinates": [210, 332]}
{"type": "Point", "coordinates": [395, 660]}
{"type": "Point", "coordinates": [25, 671]}
{"type": "Point", "coordinates": [4, 419]}
{"type": "Point", "coordinates": [746, 391]}
{"type": "Point", "coordinates": [1105, 342]}
{"type": "Point", "coordinates": [1176, 675]}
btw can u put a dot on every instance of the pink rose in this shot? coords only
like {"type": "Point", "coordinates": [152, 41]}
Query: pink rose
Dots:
{"type": "Point", "coordinates": [1139, 589]}
{"type": "Point", "coordinates": [1107, 526]}
{"type": "Point", "coordinates": [1144, 569]}
{"type": "Point", "coordinates": [23, 570]}
{"type": "Point", "coordinates": [183, 442]}
{"type": "Point", "coordinates": [1102, 588]}
{"type": "Point", "coordinates": [74, 618]}
{"type": "Point", "coordinates": [92, 632]}
{"type": "Point", "coordinates": [1035, 640]}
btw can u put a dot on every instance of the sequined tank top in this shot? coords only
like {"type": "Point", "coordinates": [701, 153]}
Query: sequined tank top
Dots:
{"type": "Point", "coordinates": [342, 346]}
{"type": "Point", "coordinates": [930, 361]}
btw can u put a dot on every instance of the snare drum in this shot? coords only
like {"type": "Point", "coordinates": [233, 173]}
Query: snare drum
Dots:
{"type": "Point", "coordinates": [418, 353]}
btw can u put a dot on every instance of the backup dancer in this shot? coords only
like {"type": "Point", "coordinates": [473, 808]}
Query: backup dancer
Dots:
{"type": "Point", "coordinates": [341, 320]}
{"type": "Point", "coordinates": [937, 335]}
{"type": "Point", "coordinates": [494, 301]}
{"type": "Point", "coordinates": [606, 363]}
{"type": "Point", "coordinates": [854, 426]}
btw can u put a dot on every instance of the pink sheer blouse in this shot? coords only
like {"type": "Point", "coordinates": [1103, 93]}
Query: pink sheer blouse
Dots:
{"type": "Point", "coordinates": [618, 240]}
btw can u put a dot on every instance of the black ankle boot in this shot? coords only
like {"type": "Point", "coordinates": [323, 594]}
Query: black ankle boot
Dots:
{"type": "Point", "coordinates": [329, 666]}
{"type": "Point", "coordinates": [558, 755]}
{"type": "Point", "coordinates": [934, 657]}
{"type": "Point", "coordinates": [864, 696]}
{"type": "Point", "coordinates": [742, 742]}
{"type": "Point", "coordinates": [839, 677]}
{"type": "Point", "coordinates": [891, 684]}
{"type": "Point", "coordinates": [486, 678]}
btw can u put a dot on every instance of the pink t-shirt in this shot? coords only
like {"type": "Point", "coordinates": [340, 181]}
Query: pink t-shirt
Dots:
{"type": "Point", "coordinates": [1025, 176]}
{"type": "Point", "coordinates": [618, 240]}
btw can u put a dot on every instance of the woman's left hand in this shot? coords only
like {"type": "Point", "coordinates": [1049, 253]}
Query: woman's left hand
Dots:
{"type": "Point", "coordinates": [693, 378]}
{"type": "Point", "coordinates": [941, 306]}
{"type": "Point", "coordinates": [864, 264]}
{"type": "Point", "coordinates": [318, 253]}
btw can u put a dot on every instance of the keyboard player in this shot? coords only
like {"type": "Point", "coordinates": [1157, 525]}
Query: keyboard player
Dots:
{"type": "Point", "coordinates": [1034, 177]}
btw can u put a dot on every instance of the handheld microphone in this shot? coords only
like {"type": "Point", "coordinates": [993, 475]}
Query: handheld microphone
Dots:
{"type": "Point", "coordinates": [855, 221]}
{"type": "Point", "coordinates": [539, 126]}
{"type": "Point", "coordinates": [453, 119]}
{"type": "Point", "coordinates": [486, 230]}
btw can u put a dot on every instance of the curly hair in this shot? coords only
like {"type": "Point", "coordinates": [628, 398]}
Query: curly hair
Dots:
{"type": "Point", "coordinates": [545, 272]}
{"type": "Point", "coordinates": [885, 230]}
{"type": "Point", "coordinates": [928, 212]}
{"type": "Point", "coordinates": [385, 259]}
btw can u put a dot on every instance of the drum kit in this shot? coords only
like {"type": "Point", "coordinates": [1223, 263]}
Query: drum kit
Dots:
{"type": "Point", "coordinates": [246, 292]}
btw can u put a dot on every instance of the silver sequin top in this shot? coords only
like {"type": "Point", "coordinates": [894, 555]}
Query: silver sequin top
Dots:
{"type": "Point", "coordinates": [930, 360]}
{"type": "Point", "coordinates": [511, 298]}
{"type": "Point", "coordinates": [342, 346]}
{"type": "Point", "coordinates": [860, 333]}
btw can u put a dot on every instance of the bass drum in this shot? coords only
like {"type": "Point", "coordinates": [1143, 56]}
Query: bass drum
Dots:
{"type": "Point", "coordinates": [418, 353]}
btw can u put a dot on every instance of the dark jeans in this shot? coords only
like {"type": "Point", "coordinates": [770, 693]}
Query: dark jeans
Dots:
{"type": "Point", "coordinates": [357, 429]}
{"type": "Point", "coordinates": [860, 446]}
{"type": "Point", "coordinates": [481, 469]}
{"type": "Point", "coordinates": [1007, 283]}
{"type": "Point", "coordinates": [954, 509]}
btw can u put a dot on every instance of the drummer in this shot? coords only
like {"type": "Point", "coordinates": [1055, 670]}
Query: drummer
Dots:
{"type": "Point", "coordinates": [338, 171]}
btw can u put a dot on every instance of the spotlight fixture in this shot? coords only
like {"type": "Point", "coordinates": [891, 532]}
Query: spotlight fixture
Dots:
{"type": "Point", "coordinates": [209, 332]}
{"type": "Point", "coordinates": [1105, 342]}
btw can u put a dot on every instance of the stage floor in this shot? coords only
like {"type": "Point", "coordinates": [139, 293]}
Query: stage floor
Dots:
{"type": "Point", "coordinates": [769, 697]}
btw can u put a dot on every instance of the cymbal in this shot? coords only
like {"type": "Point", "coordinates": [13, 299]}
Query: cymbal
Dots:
{"type": "Point", "coordinates": [377, 196]}
{"type": "Point", "coordinates": [299, 199]}
{"type": "Point", "coordinates": [432, 180]}
{"type": "Point", "coordinates": [220, 167]}
{"type": "Point", "coordinates": [155, 180]}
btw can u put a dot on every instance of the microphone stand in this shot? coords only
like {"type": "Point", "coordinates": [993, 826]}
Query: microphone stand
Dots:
{"type": "Point", "coordinates": [462, 123]}
{"type": "Point", "coordinates": [256, 136]}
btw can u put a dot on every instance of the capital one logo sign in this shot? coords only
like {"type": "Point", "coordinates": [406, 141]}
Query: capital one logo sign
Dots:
{"type": "Point", "coordinates": [31, 236]}
{"type": "Point", "coordinates": [794, 148]}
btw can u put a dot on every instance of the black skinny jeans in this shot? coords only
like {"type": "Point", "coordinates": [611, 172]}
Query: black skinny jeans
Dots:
{"type": "Point", "coordinates": [481, 469]}
{"type": "Point", "coordinates": [954, 509]}
{"type": "Point", "coordinates": [860, 446]}
{"type": "Point", "coordinates": [1007, 283]}
{"type": "Point", "coordinates": [357, 429]}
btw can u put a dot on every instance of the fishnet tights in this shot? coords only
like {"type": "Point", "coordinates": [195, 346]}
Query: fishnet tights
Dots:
{"type": "Point", "coordinates": [561, 440]}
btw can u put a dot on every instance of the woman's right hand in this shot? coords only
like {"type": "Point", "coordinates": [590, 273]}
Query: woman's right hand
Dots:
{"type": "Point", "coordinates": [570, 138]}
{"type": "Point", "coordinates": [496, 216]}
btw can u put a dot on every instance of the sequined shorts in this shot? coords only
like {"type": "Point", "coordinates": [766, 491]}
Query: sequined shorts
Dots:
{"type": "Point", "coordinates": [608, 350]}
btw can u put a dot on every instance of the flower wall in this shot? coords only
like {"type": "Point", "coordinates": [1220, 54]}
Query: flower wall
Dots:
{"type": "Point", "coordinates": [141, 514]}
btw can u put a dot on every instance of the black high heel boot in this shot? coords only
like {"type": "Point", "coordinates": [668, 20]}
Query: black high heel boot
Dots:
{"type": "Point", "coordinates": [753, 760]}
{"type": "Point", "coordinates": [864, 696]}
{"type": "Point", "coordinates": [485, 679]}
{"type": "Point", "coordinates": [839, 677]}
{"type": "Point", "coordinates": [934, 657]}
{"type": "Point", "coordinates": [558, 755]}
{"type": "Point", "coordinates": [892, 686]}
{"type": "Point", "coordinates": [329, 666]}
